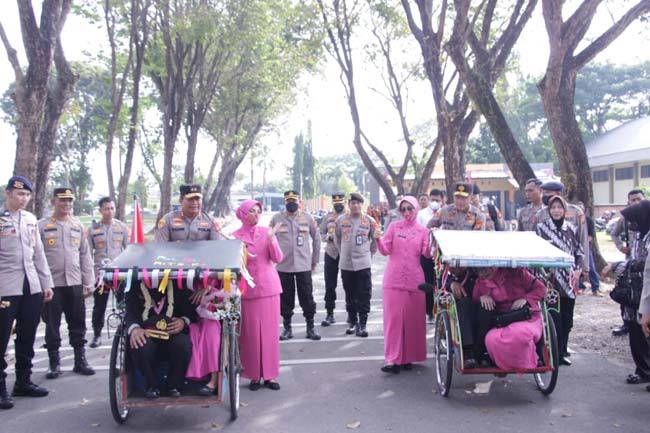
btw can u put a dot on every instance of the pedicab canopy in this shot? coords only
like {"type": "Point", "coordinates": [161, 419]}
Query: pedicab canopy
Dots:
{"type": "Point", "coordinates": [498, 249]}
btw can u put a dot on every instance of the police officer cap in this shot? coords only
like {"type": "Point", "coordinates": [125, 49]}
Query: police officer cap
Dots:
{"type": "Point", "coordinates": [475, 189]}
{"type": "Point", "coordinates": [63, 193]}
{"type": "Point", "coordinates": [291, 195]}
{"type": "Point", "coordinates": [19, 182]}
{"type": "Point", "coordinates": [463, 189]}
{"type": "Point", "coordinates": [338, 197]}
{"type": "Point", "coordinates": [190, 191]}
{"type": "Point", "coordinates": [552, 185]}
{"type": "Point", "coordinates": [356, 196]}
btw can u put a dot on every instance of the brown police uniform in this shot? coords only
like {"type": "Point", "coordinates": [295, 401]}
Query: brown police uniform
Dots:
{"type": "Point", "coordinates": [450, 218]}
{"type": "Point", "coordinates": [331, 258]}
{"type": "Point", "coordinates": [526, 217]}
{"type": "Point", "coordinates": [176, 227]}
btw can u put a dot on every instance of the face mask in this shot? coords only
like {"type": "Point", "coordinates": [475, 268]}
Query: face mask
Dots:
{"type": "Point", "coordinates": [434, 205]}
{"type": "Point", "coordinates": [339, 208]}
{"type": "Point", "coordinates": [545, 199]}
{"type": "Point", "coordinates": [252, 219]}
{"type": "Point", "coordinates": [291, 207]}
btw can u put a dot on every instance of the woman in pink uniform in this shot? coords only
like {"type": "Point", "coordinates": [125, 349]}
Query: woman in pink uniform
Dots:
{"type": "Point", "coordinates": [404, 324]}
{"type": "Point", "coordinates": [259, 338]}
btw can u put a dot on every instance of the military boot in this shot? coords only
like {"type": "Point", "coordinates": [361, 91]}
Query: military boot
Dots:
{"type": "Point", "coordinates": [24, 387]}
{"type": "Point", "coordinates": [80, 364]}
{"type": "Point", "coordinates": [352, 324]}
{"type": "Point", "coordinates": [311, 332]}
{"type": "Point", "coordinates": [287, 333]}
{"type": "Point", "coordinates": [361, 329]}
{"type": "Point", "coordinates": [329, 319]}
{"type": "Point", "coordinates": [54, 370]}
{"type": "Point", "coordinates": [97, 338]}
{"type": "Point", "coordinates": [6, 402]}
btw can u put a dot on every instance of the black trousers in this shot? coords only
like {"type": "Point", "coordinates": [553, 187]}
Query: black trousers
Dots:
{"type": "Point", "coordinates": [331, 271]}
{"type": "Point", "coordinates": [640, 349]}
{"type": "Point", "coordinates": [99, 309]}
{"type": "Point", "coordinates": [358, 291]}
{"type": "Point", "coordinates": [25, 310]}
{"type": "Point", "coordinates": [429, 277]}
{"type": "Point", "coordinates": [563, 323]}
{"type": "Point", "coordinates": [302, 281]}
{"type": "Point", "coordinates": [68, 300]}
{"type": "Point", "coordinates": [177, 350]}
{"type": "Point", "coordinates": [474, 322]}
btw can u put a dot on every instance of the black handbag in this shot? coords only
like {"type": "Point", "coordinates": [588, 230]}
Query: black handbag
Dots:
{"type": "Point", "coordinates": [512, 316]}
{"type": "Point", "coordinates": [627, 290]}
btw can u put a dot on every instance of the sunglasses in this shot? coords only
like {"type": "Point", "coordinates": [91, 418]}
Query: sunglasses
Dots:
{"type": "Point", "coordinates": [406, 209]}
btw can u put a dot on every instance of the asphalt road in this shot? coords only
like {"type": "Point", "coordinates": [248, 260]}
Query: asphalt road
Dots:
{"type": "Point", "coordinates": [335, 385]}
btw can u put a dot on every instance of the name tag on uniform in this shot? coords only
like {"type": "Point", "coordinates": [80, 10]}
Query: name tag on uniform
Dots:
{"type": "Point", "coordinates": [300, 240]}
{"type": "Point", "coordinates": [359, 240]}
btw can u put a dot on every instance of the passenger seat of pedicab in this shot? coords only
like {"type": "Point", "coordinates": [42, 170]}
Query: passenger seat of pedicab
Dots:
{"type": "Point", "coordinates": [460, 283]}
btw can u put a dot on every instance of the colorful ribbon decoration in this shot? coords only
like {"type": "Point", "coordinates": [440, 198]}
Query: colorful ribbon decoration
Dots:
{"type": "Point", "coordinates": [129, 278]}
{"type": "Point", "coordinates": [145, 278]}
{"type": "Point", "coordinates": [154, 278]}
{"type": "Point", "coordinates": [100, 282]}
{"type": "Point", "coordinates": [116, 279]}
{"type": "Point", "coordinates": [190, 279]}
{"type": "Point", "coordinates": [179, 279]}
{"type": "Point", "coordinates": [226, 280]}
{"type": "Point", "coordinates": [206, 273]}
{"type": "Point", "coordinates": [165, 280]}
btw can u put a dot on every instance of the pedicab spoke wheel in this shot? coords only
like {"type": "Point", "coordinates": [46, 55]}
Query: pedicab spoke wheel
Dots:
{"type": "Point", "coordinates": [116, 377]}
{"type": "Point", "coordinates": [546, 381]}
{"type": "Point", "coordinates": [233, 370]}
{"type": "Point", "coordinates": [443, 352]}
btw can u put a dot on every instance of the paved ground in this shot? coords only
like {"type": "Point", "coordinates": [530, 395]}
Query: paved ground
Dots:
{"type": "Point", "coordinates": [335, 385]}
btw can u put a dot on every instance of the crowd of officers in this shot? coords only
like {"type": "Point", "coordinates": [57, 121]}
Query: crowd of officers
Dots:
{"type": "Point", "coordinates": [48, 267]}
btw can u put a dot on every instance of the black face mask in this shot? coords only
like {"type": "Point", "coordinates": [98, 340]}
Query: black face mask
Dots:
{"type": "Point", "coordinates": [339, 208]}
{"type": "Point", "coordinates": [292, 206]}
{"type": "Point", "coordinates": [545, 199]}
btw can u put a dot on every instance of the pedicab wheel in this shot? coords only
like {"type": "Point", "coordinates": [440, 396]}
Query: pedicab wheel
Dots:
{"type": "Point", "coordinates": [233, 371]}
{"type": "Point", "coordinates": [116, 373]}
{"type": "Point", "coordinates": [546, 381]}
{"type": "Point", "coordinates": [443, 352]}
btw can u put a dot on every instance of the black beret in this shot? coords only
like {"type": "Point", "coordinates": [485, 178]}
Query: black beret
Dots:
{"type": "Point", "coordinates": [552, 185]}
{"type": "Point", "coordinates": [356, 196]}
{"type": "Point", "coordinates": [19, 182]}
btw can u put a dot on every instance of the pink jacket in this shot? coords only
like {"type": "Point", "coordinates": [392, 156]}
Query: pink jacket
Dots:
{"type": "Point", "coordinates": [404, 242]}
{"type": "Point", "coordinates": [507, 285]}
{"type": "Point", "coordinates": [262, 253]}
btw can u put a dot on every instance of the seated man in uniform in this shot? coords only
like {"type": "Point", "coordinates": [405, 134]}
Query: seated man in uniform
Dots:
{"type": "Point", "coordinates": [158, 323]}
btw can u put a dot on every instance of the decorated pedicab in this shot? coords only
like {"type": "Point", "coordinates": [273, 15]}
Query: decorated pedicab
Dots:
{"type": "Point", "coordinates": [474, 249]}
{"type": "Point", "coordinates": [170, 268]}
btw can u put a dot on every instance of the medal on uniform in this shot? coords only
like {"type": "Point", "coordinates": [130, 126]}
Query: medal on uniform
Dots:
{"type": "Point", "coordinates": [300, 240]}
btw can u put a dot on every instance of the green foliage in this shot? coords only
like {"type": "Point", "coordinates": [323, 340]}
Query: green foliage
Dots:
{"type": "Point", "coordinates": [340, 173]}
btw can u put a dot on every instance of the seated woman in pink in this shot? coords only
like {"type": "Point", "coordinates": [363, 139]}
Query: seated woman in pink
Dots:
{"type": "Point", "coordinates": [501, 290]}
{"type": "Point", "coordinates": [404, 324]}
{"type": "Point", "coordinates": [259, 338]}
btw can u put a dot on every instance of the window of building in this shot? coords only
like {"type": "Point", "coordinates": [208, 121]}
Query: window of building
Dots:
{"type": "Point", "coordinates": [624, 173]}
{"type": "Point", "coordinates": [645, 171]}
{"type": "Point", "coordinates": [600, 175]}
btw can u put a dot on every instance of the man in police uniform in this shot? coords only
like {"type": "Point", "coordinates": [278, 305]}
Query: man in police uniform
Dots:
{"type": "Point", "coordinates": [574, 215]}
{"type": "Point", "coordinates": [533, 194]}
{"type": "Point", "coordinates": [331, 259]}
{"type": "Point", "coordinates": [190, 223]}
{"type": "Point", "coordinates": [70, 260]}
{"type": "Point", "coordinates": [355, 239]}
{"type": "Point", "coordinates": [460, 215]}
{"type": "Point", "coordinates": [293, 227]}
{"type": "Point", "coordinates": [493, 218]}
{"type": "Point", "coordinates": [25, 283]}
{"type": "Point", "coordinates": [107, 239]}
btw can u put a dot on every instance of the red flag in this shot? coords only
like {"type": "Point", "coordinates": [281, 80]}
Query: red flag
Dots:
{"type": "Point", "coordinates": [137, 231]}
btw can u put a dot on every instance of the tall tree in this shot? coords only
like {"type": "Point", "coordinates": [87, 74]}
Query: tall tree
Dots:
{"type": "Point", "coordinates": [39, 106]}
{"type": "Point", "coordinates": [298, 161]}
{"type": "Point", "coordinates": [308, 166]}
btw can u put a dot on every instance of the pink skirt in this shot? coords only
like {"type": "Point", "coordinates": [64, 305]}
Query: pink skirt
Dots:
{"type": "Point", "coordinates": [206, 341]}
{"type": "Point", "coordinates": [513, 346]}
{"type": "Point", "coordinates": [259, 338]}
{"type": "Point", "coordinates": [405, 332]}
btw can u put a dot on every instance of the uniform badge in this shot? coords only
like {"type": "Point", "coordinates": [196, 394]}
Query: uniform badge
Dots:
{"type": "Point", "coordinates": [51, 242]}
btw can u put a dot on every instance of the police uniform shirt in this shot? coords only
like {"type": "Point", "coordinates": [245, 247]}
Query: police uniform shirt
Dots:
{"type": "Point", "coordinates": [67, 252]}
{"type": "Point", "coordinates": [327, 227]}
{"type": "Point", "coordinates": [107, 241]}
{"type": "Point", "coordinates": [575, 216]}
{"type": "Point", "coordinates": [355, 241]}
{"type": "Point", "coordinates": [450, 218]}
{"type": "Point", "coordinates": [176, 227]}
{"type": "Point", "coordinates": [526, 217]}
{"type": "Point", "coordinates": [293, 235]}
{"type": "Point", "coordinates": [21, 254]}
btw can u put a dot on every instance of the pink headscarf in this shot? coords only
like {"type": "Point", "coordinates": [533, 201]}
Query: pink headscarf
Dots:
{"type": "Point", "coordinates": [248, 228]}
{"type": "Point", "coordinates": [411, 217]}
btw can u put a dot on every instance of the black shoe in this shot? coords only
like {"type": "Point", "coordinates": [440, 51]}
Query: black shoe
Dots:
{"type": "Point", "coordinates": [28, 389]}
{"type": "Point", "coordinates": [152, 393]}
{"type": "Point", "coordinates": [254, 385]}
{"type": "Point", "coordinates": [565, 361]}
{"type": "Point", "coordinates": [352, 329]}
{"type": "Point", "coordinates": [620, 331]}
{"type": "Point", "coordinates": [206, 391]}
{"type": "Point", "coordinates": [361, 331]}
{"type": "Point", "coordinates": [271, 384]}
{"type": "Point", "coordinates": [407, 367]}
{"type": "Point", "coordinates": [174, 392]}
{"type": "Point", "coordinates": [97, 341]}
{"type": "Point", "coordinates": [82, 367]}
{"type": "Point", "coordinates": [312, 334]}
{"type": "Point", "coordinates": [486, 363]}
{"type": "Point", "coordinates": [390, 368]}
{"type": "Point", "coordinates": [6, 402]}
{"type": "Point", "coordinates": [287, 333]}
{"type": "Point", "coordinates": [470, 363]}
{"type": "Point", "coordinates": [329, 320]}
{"type": "Point", "coordinates": [53, 371]}
{"type": "Point", "coordinates": [426, 287]}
